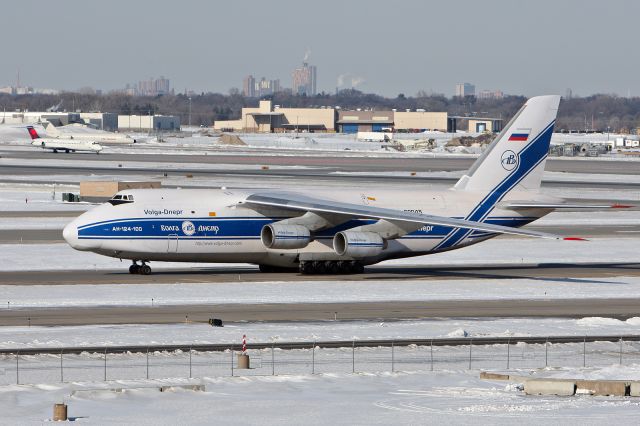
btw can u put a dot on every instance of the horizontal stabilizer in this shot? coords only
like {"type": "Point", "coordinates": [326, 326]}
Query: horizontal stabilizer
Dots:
{"type": "Point", "coordinates": [515, 205]}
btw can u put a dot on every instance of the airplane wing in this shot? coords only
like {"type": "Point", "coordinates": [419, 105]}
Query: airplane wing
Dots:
{"type": "Point", "coordinates": [292, 201]}
{"type": "Point", "coordinates": [516, 205]}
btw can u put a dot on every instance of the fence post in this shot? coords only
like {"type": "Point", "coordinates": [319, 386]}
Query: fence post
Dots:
{"type": "Point", "coordinates": [546, 352]}
{"type": "Point", "coordinates": [508, 351]}
{"type": "Point", "coordinates": [105, 364]}
{"type": "Point", "coordinates": [353, 356]}
{"type": "Point", "coordinates": [431, 354]}
{"type": "Point", "coordinates": [620, 350]}
{"type": "Point", "coordinates": [231, 362]}
{"type": "Point", "coordinates": [190, 352]}
{"type": "Point", "coordinates": [584, 352]}
{"type": "Point", "coordinates": [61, 368]}
{"type": "Point", "coordinates": [392, 357]}
{"type": "Point", "coordinates": [18, 368]}
{"type": "Point", "coordinates": [147, 362]}
{"type": "Point", "coordinates": [313, 358]}
{"type": "Point", "coordinates": [273, 359]}
{"type": "Point", "coordinates": [470, 346]}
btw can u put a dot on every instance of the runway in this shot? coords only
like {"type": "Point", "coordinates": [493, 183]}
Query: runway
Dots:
{"type": "Point", "coordinates": [340, 162]}
{"type": "Point", "coordinates": [556, 271]}
{"type": "Point", "coordinates": [570, 308]}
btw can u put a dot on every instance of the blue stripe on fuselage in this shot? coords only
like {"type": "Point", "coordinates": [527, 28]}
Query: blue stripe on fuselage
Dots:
{"type": "Point", "coordinates": [244, 228]}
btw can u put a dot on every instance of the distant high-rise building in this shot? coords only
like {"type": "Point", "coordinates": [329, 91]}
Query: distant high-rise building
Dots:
{"type": "Point", "coordinates": [465, 89]}
{"type": "Point", "coordinates": [490, 94]}
{"type": "Point", "coordinates": [304, 80]}
{"type": "Point", "coordinates": [266, 87]}
{"type": "Point", "coordinates": [153, 87]}
{"type": "Point", "coordinates": [249, 87]}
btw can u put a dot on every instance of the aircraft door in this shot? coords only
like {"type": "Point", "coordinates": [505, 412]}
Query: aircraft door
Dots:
{"type": "Point", "coordinates": [172, 243]}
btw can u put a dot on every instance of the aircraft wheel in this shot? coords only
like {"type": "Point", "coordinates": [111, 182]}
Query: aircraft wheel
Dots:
{"type": "Point", "coordinates": [317, 267]}
{"type": "Point", "coordinates": [265, 268]}
{"type": "Point", "coordinates": [357, 268]}
{"type": "Point", "coordinates": [333, 267]}
{"type": "Point", "coordinates": [67, 151]}
{"type": "Point", "coordinates": [305, 268]}
{"type": "Point", "coordinates": [343, 267]}
{"type": "Point", "coordinates": [55, 151]}
{"type": "Point", "coordinates": [134, 269]}
{"type": "Point", "coordinates": [145, 270]}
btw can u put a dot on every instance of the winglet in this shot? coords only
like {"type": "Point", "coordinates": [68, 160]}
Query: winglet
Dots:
{"type": "Point", "coordinates": [574, 239]}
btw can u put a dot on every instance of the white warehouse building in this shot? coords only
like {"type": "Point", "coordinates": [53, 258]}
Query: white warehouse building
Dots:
{"type": "Point", "coordinates": [148, 122]}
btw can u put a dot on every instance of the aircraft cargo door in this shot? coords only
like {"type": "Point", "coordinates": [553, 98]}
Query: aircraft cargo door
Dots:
{"type": "Point", "coordinates": [172, 243]}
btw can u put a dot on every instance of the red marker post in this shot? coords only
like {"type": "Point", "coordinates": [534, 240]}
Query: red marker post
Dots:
{"type": "Point", "coordinates": [243, 358]}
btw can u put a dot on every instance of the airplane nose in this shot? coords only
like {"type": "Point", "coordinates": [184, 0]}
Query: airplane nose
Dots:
{"type": "Point", "coordinates": [70, 234]}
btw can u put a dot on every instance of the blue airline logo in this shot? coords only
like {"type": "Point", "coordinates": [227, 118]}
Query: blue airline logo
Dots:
{"type": "Point", "coordinates": [509, 160]}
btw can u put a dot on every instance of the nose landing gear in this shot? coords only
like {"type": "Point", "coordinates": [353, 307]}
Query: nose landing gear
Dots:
{"type": "Point", "coordinates": [142, 269]}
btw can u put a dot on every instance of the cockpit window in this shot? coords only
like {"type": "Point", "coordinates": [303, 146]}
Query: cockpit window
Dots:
{"type": "Point", "coordinates": [121, 199]}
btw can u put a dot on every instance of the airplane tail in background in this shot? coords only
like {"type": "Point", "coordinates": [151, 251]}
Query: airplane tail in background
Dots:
{"type": "Point", "coordinates": [32, 132]}
{"type": "Point", "coordinates": [516, 157]}
{"type": "Point", "coordinates": [50, 129]}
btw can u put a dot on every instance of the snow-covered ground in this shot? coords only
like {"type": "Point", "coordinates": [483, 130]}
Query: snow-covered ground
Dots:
{"type": "Point", "coordinates": [441, 397]}
{"type": "Point", "coordinates": [37, 197]}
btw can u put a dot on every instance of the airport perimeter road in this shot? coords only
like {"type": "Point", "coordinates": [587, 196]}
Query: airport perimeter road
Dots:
{"type": "Point", "coordinates": [560, 272]}
{"type": "Point", "coordinates": [358, 162]}
{"type": "Point", "coordinates": [572, 308]}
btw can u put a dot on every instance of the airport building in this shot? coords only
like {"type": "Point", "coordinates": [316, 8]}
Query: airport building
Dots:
{"type": "Point", "coordinates": [101, 120]}
{"type": "Point", "coordinates": [399, 121]}
{"type": "Point", "coordinates": [145, 123]}
{"type": "Point", "coordinates": [33, 117]}
{"type": "Point", "coordinates": [267, 119]}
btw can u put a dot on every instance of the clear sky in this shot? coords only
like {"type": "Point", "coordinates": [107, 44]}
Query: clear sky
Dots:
{"type": "Point", "coordinates": [390, 47]}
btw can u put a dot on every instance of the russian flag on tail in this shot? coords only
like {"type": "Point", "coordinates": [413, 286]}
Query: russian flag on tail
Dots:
{"type": "Point", "coordinates": [519, 137]}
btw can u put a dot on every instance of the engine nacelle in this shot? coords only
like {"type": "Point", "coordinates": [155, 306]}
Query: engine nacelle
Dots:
{"type": "Point", "coordinates": [276, 236]}
{"type": "Point", "coordinates": [357, 244]}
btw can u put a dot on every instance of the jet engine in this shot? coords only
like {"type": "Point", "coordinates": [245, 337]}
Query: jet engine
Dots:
{"type": "Point", "coordinates": [275, 236]}
{"type": "Point", "coordinates": [357, 244]}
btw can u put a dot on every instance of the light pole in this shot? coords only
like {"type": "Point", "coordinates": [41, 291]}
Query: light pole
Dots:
{"type": "Point", "coordinates": [189, 111]}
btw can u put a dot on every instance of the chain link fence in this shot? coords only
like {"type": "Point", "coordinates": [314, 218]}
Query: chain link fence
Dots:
{"type": "Point", "coordinates": [314, 358]}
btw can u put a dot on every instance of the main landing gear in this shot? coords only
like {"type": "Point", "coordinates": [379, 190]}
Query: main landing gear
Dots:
{"type": "Point", "coordinates": [320, 267]}
{"type": "Point", "coordinates": [143, 269]}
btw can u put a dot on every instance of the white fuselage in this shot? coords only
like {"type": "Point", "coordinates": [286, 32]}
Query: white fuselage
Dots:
{"type": "Point", "coordinates": [70, 145]}
{"type": "Point", "coordinates": [212, 226]}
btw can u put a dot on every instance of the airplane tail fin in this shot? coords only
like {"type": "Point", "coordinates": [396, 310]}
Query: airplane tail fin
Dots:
{"type": "Point", "coordinates": [33, 133]}
{"type": "Point", "coordinates": [50, 129]}
{"type": "Point", "coordinates": [516, 157]}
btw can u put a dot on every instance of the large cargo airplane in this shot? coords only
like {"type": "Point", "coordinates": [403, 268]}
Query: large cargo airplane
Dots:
{"type": "Point", "coordinates": [66, 145]}
{"type": "Point", "coordinates": [78, 131]}
{"type": "Point", "coordinates": [333, 231]}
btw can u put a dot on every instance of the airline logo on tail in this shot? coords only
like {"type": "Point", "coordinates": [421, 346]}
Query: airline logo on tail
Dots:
{"type": "Point", "coordinates": [509, 160]}
{"type": "Point", "coordinates": [33, 133]}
